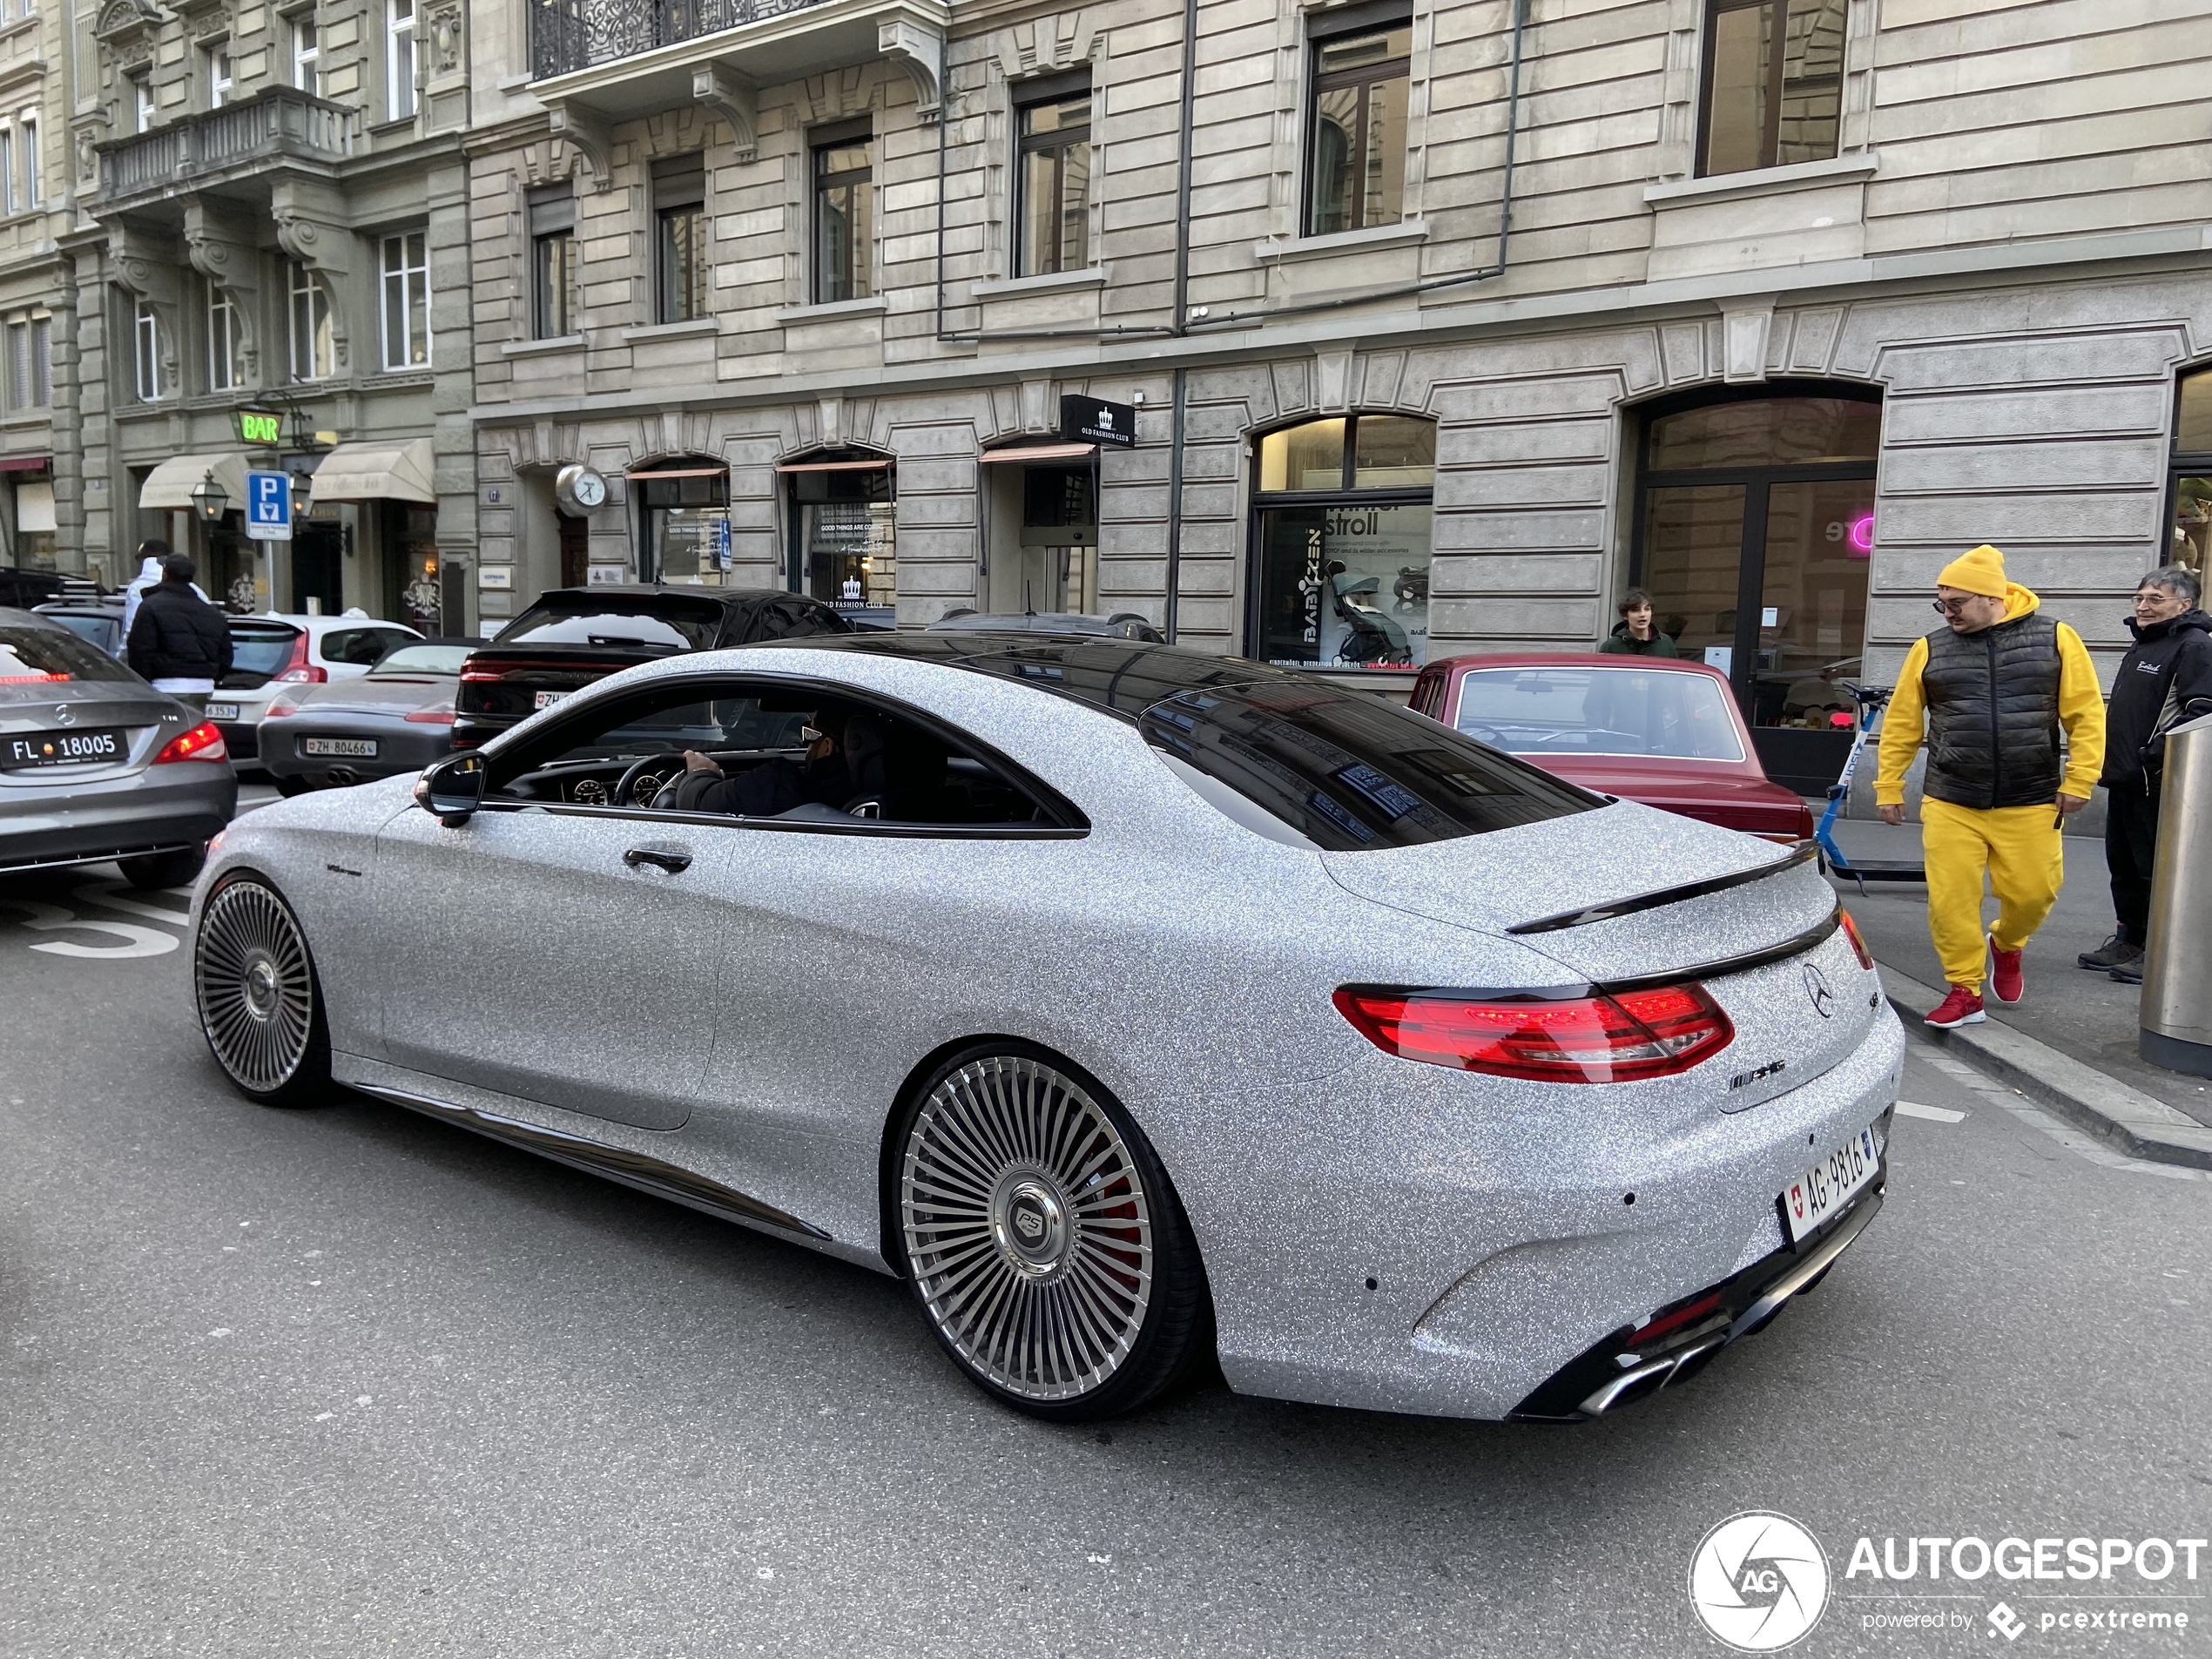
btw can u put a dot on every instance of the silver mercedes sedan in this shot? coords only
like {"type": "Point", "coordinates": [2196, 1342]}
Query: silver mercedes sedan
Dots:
{"type": "Point", "coordinates": [1127, 1002]}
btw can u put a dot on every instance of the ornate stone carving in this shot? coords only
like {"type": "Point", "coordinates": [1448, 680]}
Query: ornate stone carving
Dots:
{"type": "Point", "coordinates": [722, 91]}
{"type": "Point", "coordinates": [585, 133]}
{"type": "Point", "coordinates": [445, 39]}
{"type": "Point", "coordinates": [920, 53]}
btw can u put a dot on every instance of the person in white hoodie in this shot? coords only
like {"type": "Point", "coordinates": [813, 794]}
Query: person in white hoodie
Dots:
{"type": "Point", "coordinates": [151, 554]}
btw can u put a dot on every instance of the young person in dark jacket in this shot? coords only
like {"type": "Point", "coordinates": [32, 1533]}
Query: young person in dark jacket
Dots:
{"type": "Point", "coordinates": [178, 640]}
{"type": "Point", "coordinates": [1636, 634]}
{"type": "Point", "coordinates": [2165, 679]}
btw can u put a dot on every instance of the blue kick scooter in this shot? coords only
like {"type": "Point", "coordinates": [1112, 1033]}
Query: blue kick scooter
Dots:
{"type": "Point", "coordinates": [1871, 700]}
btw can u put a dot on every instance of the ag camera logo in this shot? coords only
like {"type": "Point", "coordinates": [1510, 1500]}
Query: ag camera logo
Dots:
{"type": "Point", "coordinates": [1759, 1582]}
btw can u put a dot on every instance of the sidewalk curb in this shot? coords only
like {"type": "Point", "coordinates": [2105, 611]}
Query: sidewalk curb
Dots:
{"type": "Point", "coordinates": [2125, 1118]}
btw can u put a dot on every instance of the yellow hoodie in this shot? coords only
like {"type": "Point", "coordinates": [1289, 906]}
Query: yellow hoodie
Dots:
{"type": "Point", "coordinates": [2081, 711]}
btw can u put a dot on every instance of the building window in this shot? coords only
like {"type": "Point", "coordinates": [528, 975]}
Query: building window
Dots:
{"type": "Point", "coordinates": [145, 333]}
{"type": "Point", "coordinates": [399, 59]}
{"type": "Point", "coordinates": [553, 262]}
{"type": "Point", "coordinates": [219, 77]}
{"type": "Point", "coordinates": [2189, 486]}
{"type": "Point", "coordinates": [1053, 184]}
{"type": "Point", "coordinates": [27, 124]}
{"type": "Point", "coordinates": [1356, 139]}
{"type": "Point", "coordinates": [1342, 529]}
{"type": "Point", "coordinates": [1774, 83]}
{"type": "Point", "coordinates": [686, 520]}
{"type": "Point", "coordinates": [141, 101]}
{"type": "Point", "coordinates": [680, 227]}
{"type": "Point", "coordinates": [9, 197]}
{"type": "Point", "coordinates": [844, 213]}
{"type": "Point", "coordinates": [1755, 533]}
{"type": "Point", "coordinates": [844, 522]}
{"type": "Point", "coordinates": [226, 342]}
{"type": "Point", "coordinates": [31, 378]}
{"type": "Point", "coordinates": [407, 301]}
{"type": "Point", "coordinates": [314, 354]}
{"type": "Point", "coordinates": [307, 55]}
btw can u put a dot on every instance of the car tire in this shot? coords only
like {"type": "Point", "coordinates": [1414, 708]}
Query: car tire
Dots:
{"type": "Point", "coordinates": [259, 1004]}
{"type": "Point", "coordinates": [1043, 1239]}
{"type": "Point", "coordinates": [177, 869]}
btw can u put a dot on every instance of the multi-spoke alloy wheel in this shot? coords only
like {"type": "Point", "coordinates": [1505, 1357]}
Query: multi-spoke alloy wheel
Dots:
{"type": "Point", "coordinates": [1042, 1238]}
{"type": "Point", "coordinates": [256, 988]}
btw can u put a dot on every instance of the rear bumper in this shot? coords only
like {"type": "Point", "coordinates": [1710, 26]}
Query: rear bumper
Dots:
{"type": "Point", "coordinates": [241, 738]}
{"type": "Point", "coordinates": [401, 750]}
{"type": "Point", "coordinates": [183, 804]}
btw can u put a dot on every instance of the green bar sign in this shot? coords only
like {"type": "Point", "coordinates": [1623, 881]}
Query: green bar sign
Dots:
{"type": "Point", "coordinates": [261, 426]}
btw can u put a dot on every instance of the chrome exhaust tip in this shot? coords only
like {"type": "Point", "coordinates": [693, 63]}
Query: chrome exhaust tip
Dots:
{"type": "Point", "coordinates": [1629, 1387]}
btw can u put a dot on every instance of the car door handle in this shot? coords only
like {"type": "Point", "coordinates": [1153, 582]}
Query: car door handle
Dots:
{"type": "Point", "coordinates": [674, 859]}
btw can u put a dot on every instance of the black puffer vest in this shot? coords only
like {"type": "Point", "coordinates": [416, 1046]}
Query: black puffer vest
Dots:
{"type": "Point", "coordinates": [1994, 714]}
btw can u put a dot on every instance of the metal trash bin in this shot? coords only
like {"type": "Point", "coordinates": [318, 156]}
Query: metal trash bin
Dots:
{"type": "Point", "coordinates": [2177, 1013]}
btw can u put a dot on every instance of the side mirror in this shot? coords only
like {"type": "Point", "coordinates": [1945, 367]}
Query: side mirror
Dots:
{"type": "Point", "coordinates": [452, 789]}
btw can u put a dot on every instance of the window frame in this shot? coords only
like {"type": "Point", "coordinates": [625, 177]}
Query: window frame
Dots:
{"type": "Point", "coordinates": [18, 364]}
{"type": "Point", "coordinates": [215, 56]}
{"type": "Point", "coordinates": [682, 272]}
{"type": "Point", "coordinates": [27, 126]}
{"type": "Point", "coordinates": [303, 284]}
{"type": "Point", "coordinates": [550, 217]}
{"type": "Point", "coordinates": [861, 261]}
{"type": "Point", "coordinates": [504, 761]}
{"type": "Point", "coordinates": [400, 60]}
{"type": "Point", "coordinates": [1770, 133]}
{"type": "Point", "coordinates": [1326, 31]}
{"type": "Point", "coordinates": [2181, 464]}
{"type": "Point", "coordinates": [145, 337]}
{"type": "Point", "coordinates": [8, 203]}
{"type": "Point", "coordinates": [306, 52]}
{"type": "Point", "coordinates": [145, 112]}
{"type": "Point", "coordinates": [1044, 93]}
{"type": "Point", "coordinates": [225, 340]}
{"type": "Point", "coordinates": [410, 277]}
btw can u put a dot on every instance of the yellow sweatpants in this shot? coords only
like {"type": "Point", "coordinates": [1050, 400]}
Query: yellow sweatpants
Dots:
{"type": "Point", "coordinates": [2019, 850]}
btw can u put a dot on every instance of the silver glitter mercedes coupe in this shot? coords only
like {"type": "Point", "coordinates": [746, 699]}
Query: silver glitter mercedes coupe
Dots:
{"type": "Point", "coordinates": [1130, 1003]}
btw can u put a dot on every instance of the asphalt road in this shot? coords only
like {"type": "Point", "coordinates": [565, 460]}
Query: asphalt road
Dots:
{"type": "Point", "coordinates": [345, 1380]}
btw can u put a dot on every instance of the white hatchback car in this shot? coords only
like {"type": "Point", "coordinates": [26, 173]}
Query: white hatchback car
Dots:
{"type": "Point", "coordinates": [271, 651]}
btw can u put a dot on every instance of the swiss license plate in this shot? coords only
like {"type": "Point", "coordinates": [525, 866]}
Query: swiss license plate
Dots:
{"type": "Point", "coordinates": [355, 746]}
{"type": "Point", "coordinates": [1820, 1193]}
{"type": "Point", "coordinates": [61, 749]}
{"type": "Point", "coordinates": [222, 710]}
{"type": "Point", "coordinates": [547, 699]}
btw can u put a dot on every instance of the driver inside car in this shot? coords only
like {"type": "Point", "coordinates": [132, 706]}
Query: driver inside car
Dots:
{"type": "Point", "coordinates": [822, 778]}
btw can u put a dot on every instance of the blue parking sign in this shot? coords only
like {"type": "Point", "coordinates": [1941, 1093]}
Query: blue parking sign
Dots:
{"type": "Point", "coordinates": [268, 506]}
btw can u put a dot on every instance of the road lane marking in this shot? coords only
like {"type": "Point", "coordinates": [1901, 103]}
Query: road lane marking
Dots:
{"type": "Point", "coordinates": [1933, 1114]}
{"type": "Point", "coordinates": [2065, 1134]}
{"type": "Point", "coordinates": [139, 941]}
{"type": "Point", "coordinates": [109, 894]}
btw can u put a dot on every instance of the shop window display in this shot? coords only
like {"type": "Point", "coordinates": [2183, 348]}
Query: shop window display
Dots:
{"type": "Point", "coordinates": [2189, 516]}
{"type": "Point", "coordinates": [687, 513]}
{"type": "Point", "coordinates": [1343, 514]}
{"type": "Point", "coordinates": [845, 518]}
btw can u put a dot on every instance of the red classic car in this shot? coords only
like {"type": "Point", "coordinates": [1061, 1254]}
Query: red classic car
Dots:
{"type": "Point", "coordinates": [1666, 733]}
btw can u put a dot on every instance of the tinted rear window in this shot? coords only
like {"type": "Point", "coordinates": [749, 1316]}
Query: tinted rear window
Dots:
{"type": "Point", "coordinates": [668, 624]}
{"type": "Point", "coordinates": [33, 656]}
{"type": "Point", "coordinates": [421, 659]}
{"type": "Point", "coordinates": [1346, 770]}
{"type": "Point", "coordinates": [261, 650]}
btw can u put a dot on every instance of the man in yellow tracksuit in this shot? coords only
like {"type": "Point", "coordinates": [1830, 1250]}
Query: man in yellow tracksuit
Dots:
{"type": "Point", "coordinates": [1992, 687]}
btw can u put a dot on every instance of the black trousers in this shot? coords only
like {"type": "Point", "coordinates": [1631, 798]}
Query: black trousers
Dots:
{"type": "Point", "coordinates": [2131, 844]}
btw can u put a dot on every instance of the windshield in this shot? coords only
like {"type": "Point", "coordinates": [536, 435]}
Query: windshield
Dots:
{"type": "Point", "coordinates": [97, 630]}
{"type": "Point", "coordinates": [32, 657]}
{"type": "Point", "coordinates": [261, 650]}
{"type": "Point", "coordinates": [1595, 711]}
{"type": "Point", "coordinates": [641, 625]}
{"type": "Point", "coordinates": [421, 659]}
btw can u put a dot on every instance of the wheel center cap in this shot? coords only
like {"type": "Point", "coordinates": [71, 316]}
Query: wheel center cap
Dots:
{"type": "Point", "coordinates": [262, 988]}
{"type": "Point", "coordinates": [1029, 1222]}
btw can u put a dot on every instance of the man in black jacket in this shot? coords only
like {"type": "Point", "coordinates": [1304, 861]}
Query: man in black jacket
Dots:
{"type": "Point", "coordinates": [178, 640]}
{"type": "Point", "coordinates": [2166, 677]}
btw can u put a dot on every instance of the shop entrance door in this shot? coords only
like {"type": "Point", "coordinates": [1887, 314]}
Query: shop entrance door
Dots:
{"type": "Point", "coordinates": [1755, 534]}
{"type": "Point", "coordinates": [575, 551]}
{"type": "Point", "coordinates": [318, 567]}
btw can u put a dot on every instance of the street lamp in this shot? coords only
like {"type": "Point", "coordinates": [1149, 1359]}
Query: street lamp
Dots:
{"type": "Point", "coordinates": [209, 499]}
{"type": "Point", "coordinates": [303, 489]}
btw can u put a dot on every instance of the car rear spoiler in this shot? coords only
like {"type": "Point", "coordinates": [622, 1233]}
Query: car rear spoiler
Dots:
{"type": "Point", "coordinates": [1802, 854]}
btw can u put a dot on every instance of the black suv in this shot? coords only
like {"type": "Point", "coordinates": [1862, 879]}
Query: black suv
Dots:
{"type": "Point", "coordinates": [571, 637]}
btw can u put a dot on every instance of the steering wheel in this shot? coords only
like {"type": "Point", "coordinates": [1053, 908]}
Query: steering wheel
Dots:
{"type": "Point", "coordinates": [638, 769]}
{"type": "Point", "coordinates": [1488, 734]}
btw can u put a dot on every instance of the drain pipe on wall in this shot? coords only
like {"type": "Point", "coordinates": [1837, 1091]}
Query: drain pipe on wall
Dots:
{"type": "Point", "coordinates": [1182, 322]}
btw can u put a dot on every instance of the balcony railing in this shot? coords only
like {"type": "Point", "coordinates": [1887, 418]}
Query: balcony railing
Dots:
{"type": "Point", "coordinates": [276, 122]}
{"type": "Point", "coordinates": [568, 35]}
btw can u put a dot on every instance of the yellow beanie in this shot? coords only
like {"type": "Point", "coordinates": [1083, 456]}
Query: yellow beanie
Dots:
{"type": "Point", "coordinates": [1980, 571]}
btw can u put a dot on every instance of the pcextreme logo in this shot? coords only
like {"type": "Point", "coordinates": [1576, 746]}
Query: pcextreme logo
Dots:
{"type": "Point", "coordinates": [1759, 1582]}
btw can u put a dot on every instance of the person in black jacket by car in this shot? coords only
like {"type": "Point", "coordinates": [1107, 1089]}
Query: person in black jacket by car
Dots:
{"type": "Point", "coordinates": [2165, 679]}
{"type": "Point", "coordinates": [178, 640]}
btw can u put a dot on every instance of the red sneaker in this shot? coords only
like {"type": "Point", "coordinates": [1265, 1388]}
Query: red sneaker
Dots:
{"type": "Point", "coordinates": [1962, 1007]}
{"type": "Point", "coordinates": [2004, 973]}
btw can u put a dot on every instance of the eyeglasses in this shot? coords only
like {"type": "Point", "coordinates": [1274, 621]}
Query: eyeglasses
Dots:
{"type": "Point", "coordinates": [1955, 607]}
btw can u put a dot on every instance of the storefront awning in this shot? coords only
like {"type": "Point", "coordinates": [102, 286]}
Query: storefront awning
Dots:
{"type": "Point", "coordinates": [26, 463]}
{"type": "Point", "coordinates": [377, 472]}
{"type": "Point", "coordinates": [1040, 452]}
{"type": "Point", "coordinates": [833, 466]}
{"type": "Point", "coordinates": [678, 472]}
{"type": "Point", "coordinates": [171, 484]}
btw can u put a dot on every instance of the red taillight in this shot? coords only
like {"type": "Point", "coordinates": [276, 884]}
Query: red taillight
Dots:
{"type": "Point", "coordinates": [297, 671]}
{"type": "Point", "coordinates": [278, 709]}
{"type": "Point", "coordinates": [35, 678]}
{"type": "Point", "coordinates": [1857, 942]}
{"type": "Point", "coordinates": [430, 716]}
{"type": "Point", "coordinates": [1587, 1038]}
{"type": "Point", "coordinates": [1675, 1319]}
{"type": "Point", "coordinates": [203, 742]}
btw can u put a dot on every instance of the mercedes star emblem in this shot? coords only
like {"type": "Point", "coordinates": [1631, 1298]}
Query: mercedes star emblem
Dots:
{"type": "Point", "coordinates": [1823, 1000]}
{"type": "Point", "coordinates": [64, 715]}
